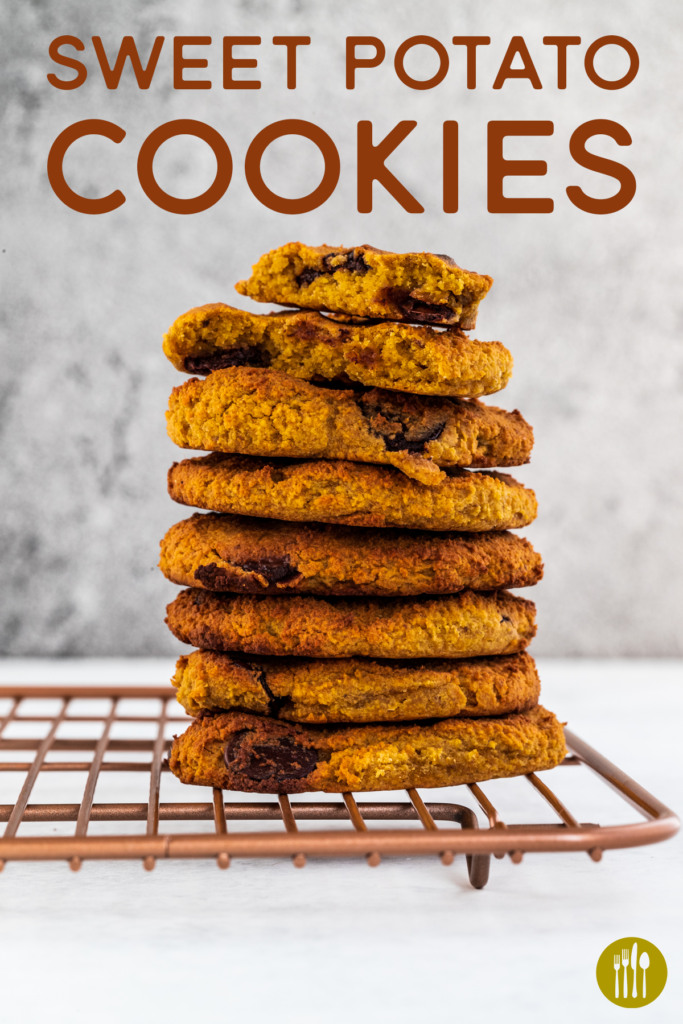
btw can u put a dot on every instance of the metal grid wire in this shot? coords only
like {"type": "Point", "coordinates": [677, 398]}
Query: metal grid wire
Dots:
{"type": "Point", "coordinates": [107, 755]}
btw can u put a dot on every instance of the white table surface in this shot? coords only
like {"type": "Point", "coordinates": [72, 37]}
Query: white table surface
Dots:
{"type": "Point", "coordinates": [339, 942]}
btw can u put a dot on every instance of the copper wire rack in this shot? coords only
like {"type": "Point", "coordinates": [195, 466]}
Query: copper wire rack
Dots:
{"type": "Point", "coordinates": [110, 754]}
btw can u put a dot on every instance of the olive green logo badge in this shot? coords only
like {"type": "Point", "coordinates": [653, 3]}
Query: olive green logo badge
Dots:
{"type": "Point", "coordinates": [631, 972]}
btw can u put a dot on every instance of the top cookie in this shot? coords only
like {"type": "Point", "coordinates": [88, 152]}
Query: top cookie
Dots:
{"type": "Point", "coordinates": [416, 287]}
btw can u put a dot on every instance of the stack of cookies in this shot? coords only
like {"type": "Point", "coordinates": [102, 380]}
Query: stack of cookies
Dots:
{"type": "Point", "coordinates": [348, 588]}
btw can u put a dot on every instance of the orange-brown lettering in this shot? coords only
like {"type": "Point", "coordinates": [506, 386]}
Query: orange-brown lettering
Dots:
{"type": "Point", "coordinates": [353, 62]}
{"type": "Point", "coordinates": [415, 83]}
{"type": "Point", "coordinates": [252, 166]}
{"type": "Point", "coordinates": [230, 62]}
{"type": "Point", "coordinates": [291, 42]}
{"type": "Point", "coordinates": [499, 168]}
{"type": "Point", "coordinates": [128, 49]}
{"type": "Point", "coordinates": [148, 151]}
{"type": "Point", "coordinates": [517, 46]}
{"type": "Point", "coordinates": [371, 167]}
{"type": "Point", "coordinates": [577, 148]}
{"type": "Point", "coordinates": [561, 42]}
{"type": "Point", "coordinates": [67, 62]}
{"type": "Point", "coordinates": [471, 42]}
{"type": "Point", "coordinates": [450, 167]}
{"type": "Point", "coordinates": [604, 83]}
{"type": "Point", "coordinates": [55, 166]}
{"type": "Point", "coordinates": [180, 62]}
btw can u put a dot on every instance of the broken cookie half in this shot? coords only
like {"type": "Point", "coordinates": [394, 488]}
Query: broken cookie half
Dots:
{"type": "Point", "coordinates": [415, 287]}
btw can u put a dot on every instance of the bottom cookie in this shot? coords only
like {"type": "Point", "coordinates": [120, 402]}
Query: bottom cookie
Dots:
{"type": "Point", "coordinates": [325, 690]}
{"type": "Point", "coordinates": [252, 754]}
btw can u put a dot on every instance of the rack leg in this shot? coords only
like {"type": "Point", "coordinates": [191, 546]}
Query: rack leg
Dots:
{"type": "Point", "coordinates": [478, 864]}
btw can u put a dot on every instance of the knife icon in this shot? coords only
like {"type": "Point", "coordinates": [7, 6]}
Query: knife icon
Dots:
{"type": "Point", "coordinates": [634, 961]}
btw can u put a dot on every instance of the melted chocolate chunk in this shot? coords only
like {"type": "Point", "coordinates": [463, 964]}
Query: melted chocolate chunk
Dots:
{"type": "Point", "coordinates": [221, 360]}
{"type": "Point", "coordinates": [355, 263]}
{"type": "Point", "coordinates": [277, 759]}
{"type": "Point", "coordinates": [213, 577]}
{"type": "Point", "coordinates": [309, 275]}
{"type": "Point", "coordinates": [275, 704]}
{"type": "Point", "coordinates": [341, 383]}
{"type": "Point", "coordinates": [275, 570]}
{"type": "Point", "coordinates": [399, 443]}
{"type": "Point", "coordinates": [389, 419]}
{"type": "Point", "coordinates": [426, 312]}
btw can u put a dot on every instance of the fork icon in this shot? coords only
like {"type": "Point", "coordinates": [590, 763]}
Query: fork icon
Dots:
{"type": "Point", "coordinates": [624, 964]}
{"type": "Point", "coordinates": [617, 965]}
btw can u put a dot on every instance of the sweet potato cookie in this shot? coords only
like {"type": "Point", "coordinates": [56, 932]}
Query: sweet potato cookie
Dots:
{"type": "Point", "coordinates": [269, 556]}
{"type": "Point", "coordinates": [350, 493]}
{"type": "Point", "coordinates": [314, 347]}
{"type": "Point", "coordinates": [253, 754]}
{"type": "Point", "coordinates": [421, 287]}
{"type": "Point", "coordinates": [356, 689]}
{"type": "Point", "coordinates": [267, 412]}
{"type": "Point", "coordinates": [463, 625]}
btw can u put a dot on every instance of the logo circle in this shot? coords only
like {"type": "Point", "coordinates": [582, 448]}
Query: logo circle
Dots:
{"type": "Point", "coordinates": [631, 972]}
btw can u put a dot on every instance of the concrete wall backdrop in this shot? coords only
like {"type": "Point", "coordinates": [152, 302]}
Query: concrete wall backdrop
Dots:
{"type": "Point", "coordinates": [590, 306]}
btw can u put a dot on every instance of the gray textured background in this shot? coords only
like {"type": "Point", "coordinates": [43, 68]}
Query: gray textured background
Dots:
{"type": "Point", "coordinates": [590, 306]}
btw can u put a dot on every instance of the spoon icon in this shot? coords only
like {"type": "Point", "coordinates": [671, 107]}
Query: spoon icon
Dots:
{"type": "Point", "coordinates": [644, 963]}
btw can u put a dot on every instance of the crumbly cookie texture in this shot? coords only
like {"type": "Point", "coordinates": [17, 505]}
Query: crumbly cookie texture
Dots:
{"type": "Point", "coordinates": [251, 753]}
{"type": "Point", "coordinates": [398, 356]}
{"type": "Point", "coordinates": [420, 287]}
{"type": "Point", "coordinates": [350, 493]}
{"type": "Point", "coordinates": [468, 624]}
{"type": "Point", "coordinates": [267, 412]}
{"type": "Point", "coordinates": [243, 554]}
{"type": "Point", "coordinates": [356, 689]}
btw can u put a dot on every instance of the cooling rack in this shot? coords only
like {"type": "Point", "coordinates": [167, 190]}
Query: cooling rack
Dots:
{"type": "Point", "coordinates": [109, 754]}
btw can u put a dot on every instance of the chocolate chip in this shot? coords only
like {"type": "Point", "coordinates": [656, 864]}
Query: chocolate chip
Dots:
{"type": "Point", "coordinates": [222, 360]}
{"type": "Point", "coordinates": [447, 259]}
{"type": "Point", "coordinates": [275, 704]}
{"type": "Point", "coordinates": [309, 275]}
{"type": "Point", "coordinates": [355, 263]}
{"type": "Point", "coordinates": [389, 418]}
{"type": "Point", "coordinates": [504, 618]}
{"type": "Point", "coordinates": [232, 747]}
{"type": "Point", "coordinates": [399, 443]}
{"type": "Point", "coordinates": [341, 383]}
{"type": "Point", "coordinates": [351, 261]}
{"type": "Point", "coordinates": [426, 312]}
{"type": "Point", "coordinates": [275, 570]}
{"type": "Point", "coordinates": [213, 577]}
{"type": "Point", "coordinates": [277, 759]}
